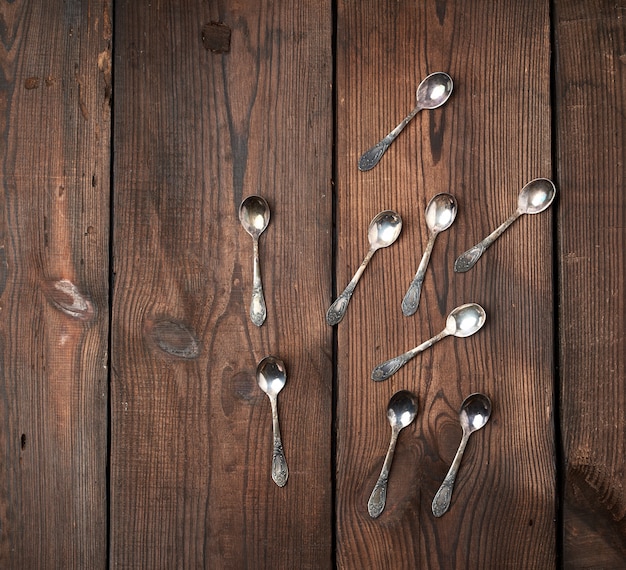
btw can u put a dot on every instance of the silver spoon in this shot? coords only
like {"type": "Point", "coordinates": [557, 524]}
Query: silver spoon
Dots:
{"type": "Point", "coordinates": [432, 92]}
{"type": "Point", "coordinates": [474, 414]}
{"type": "Point", "coordinates": [535, 197]}
{"type": "Point", "coordinates": [254, 214]}
{"type": "Point", "coordinates": [440, 213]}
{"type": "Point", "coordinates": [271, 377]}
{"type": "Point", "coordinates": [401, 411]}
{"type": "Point", "coordinates": [462, 322]}
{"type": "Point", "coordinates": [383, 230]}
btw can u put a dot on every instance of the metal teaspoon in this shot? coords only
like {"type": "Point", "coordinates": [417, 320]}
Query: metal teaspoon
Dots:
{"type": "Point", "coordinates": [432, 92]}
{"type": "Point", "coordinates": [474, 414]}
{"type": "Point", "coordinates": [383, 230]}
{"type": "Point", "coordinates": [254, 215]}
{"type": "Point", "coordinates": [535, 197]}
{"type": "Point", "coordinates": [401, 411]}
{"type": "Point", "coordinates": [462, 322]}
{"type": "Point", "coordinates": [271, 377]}
{"type": "Point", "coordinates": [440, 213]}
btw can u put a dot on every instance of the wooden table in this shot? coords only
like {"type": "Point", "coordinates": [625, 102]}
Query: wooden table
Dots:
{"type": "Point", "coordinates": [132, 430]}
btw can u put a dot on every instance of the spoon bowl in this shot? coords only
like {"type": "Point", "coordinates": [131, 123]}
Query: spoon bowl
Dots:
{"type": "Point", "coordinates": [534, 197]}
{"type": "Point", "coordinates": [474, 414]}
{"type": "Point", "coordinates": [433, 91]}
{"type": "Point", "coordinates": [271, 377]}
{"type": "Point", "coordinates": [254, 215]}
{"type": "Point", "coordinates": [465, 320]}
{"type": "Point", "coordinates": [401, 412]}
{"type": "Point", "coordinates": [383, 230]}
{"type": "Point", "coordinates": [402, 409]}
{"type": "Point", "coordinates": [440, 213]}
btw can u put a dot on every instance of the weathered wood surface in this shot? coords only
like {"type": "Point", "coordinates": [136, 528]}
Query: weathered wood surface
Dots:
{"type": "Point", "coordinates": [195, 132]}
{"type": "Point", "coordinates": [214, 101]}
{"type": "Point", "coordinates": [55, 88]}
{"type": "Point", "coordinates": [591, 154]}
{"type": "Point", "coordinates": [492, 137]}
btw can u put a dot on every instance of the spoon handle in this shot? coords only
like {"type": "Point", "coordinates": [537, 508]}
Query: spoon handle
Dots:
{"type": "Point", "coordinates": [467, 260]}
{"type": "Point", "coordinates": [378, 498]}
{"type": "Point", "coordinates": [441, 502]}
{"type": "Point", "coordinates": [338, 309]}
{"type": "Point", "coordinates": [370, 158]}
{"type": "Point", "coordinates": [412, 298]}
{"type": "Point", "coordinates": [258, 312]}
{"type": "Point", "coordinates": [391, 366]}
{"type": "Point", "coordinates": [279, 463]}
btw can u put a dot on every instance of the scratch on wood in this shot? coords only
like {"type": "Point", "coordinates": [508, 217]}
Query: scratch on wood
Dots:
{"type": "Point", "coordinates": [104, 65]}
{"type": "Point", "coordinates": [107, 26]}
{"type": "Point", "coordinates": [65, 296]}
{"type": "Point", "coordinates": [81, 99]}
{"type": "Point", "coordinates": [173, 337]}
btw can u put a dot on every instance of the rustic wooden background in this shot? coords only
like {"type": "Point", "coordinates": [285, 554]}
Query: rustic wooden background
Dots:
{"type": "Point", "coordinates": [132, 431]}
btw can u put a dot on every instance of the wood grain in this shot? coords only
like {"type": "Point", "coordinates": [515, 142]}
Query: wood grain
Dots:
{"type": "Point", "coordinates": [196, 131]}
{"type": "Point", "coordinates": [492, 137]}
{"type": "Point", "coordinates": [55, 87]}
{"type": "Point", "coordinates": [590, 109]}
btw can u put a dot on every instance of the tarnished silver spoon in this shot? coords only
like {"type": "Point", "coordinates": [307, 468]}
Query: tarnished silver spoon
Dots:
{"type": "Point", "coordinates": [535, 197]}
{"type": "Point", "coordinates": [254, 215]}
{"type": "Point", "coordinates": [462, 322]}
{"type": "Point", "coordinates": [271, 377]}
{"type": "Point", "coordinates": [432, 92]}
{"type": "Point", "coordinates": [474, 414]}
{"type": "Point", "coordinates": [401, 411]}
{"type": "Point", "coordinates": [440, 213]}
{"type": "Point", "coordinates": [383, 230]}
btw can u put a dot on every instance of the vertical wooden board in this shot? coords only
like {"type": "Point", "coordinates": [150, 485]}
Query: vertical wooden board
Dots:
{"type": "Point", "coordinates": [215, 102]}
{"type": "Point", "coordinates": [491, 138]}
{"type": "Point", "coordinates": [590, 43]}
{"type": "Point", "coordinates": [55, 86]}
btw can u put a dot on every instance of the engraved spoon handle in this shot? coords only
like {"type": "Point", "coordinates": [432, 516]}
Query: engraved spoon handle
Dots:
{"type": "Point", "coordinates": [378, 498]}
{"type": "Point", "coordinates": [338, 309]}
{"type": "Point", "coordinates": [412, 298]}
{"type": "Point", "coordinates": [279, 463]}
{"type": "Point", "coordinates": [391, 366]}
{"type": "Point", "coordinates": [370, 158]}
{"type": "Point", "coordinates": [441, 502]}
{"type": "Point", "coordinates": [258, 312]}
{"type": "Point", "coordinates": [467, 260]}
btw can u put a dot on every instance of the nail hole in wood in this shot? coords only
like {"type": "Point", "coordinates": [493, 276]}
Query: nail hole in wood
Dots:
{"type": "Point", "coordinates": [216, 37]}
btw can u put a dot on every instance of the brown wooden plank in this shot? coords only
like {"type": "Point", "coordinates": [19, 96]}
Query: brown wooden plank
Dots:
{"type": "Point", "coordinates": [55, 86]}
{"type": "Point", "coordinates": [489, 140]}
{"type": "Point", "coordinates": [590, 111]}
{"type": "Point", "coordinates": [201, 121]}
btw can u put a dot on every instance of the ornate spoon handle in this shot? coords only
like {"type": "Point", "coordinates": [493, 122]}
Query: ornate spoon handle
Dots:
{"type": "Point", "coordinates": [412, 298]}
{"type": "Point", "coordinates": [338, 309]}
{"type": "Point", "coordinates": [279, 463]}
{"type": "Point", "coordinates": [441, 502]}
{"type": "Point", "coordinates": [370, 158]}
{"type": "Point", "coordinates": [467, 260]}
{"type": "Point", "coordinates": [258, 312]}
{"type": "Point", "coordinates": [378, 498]}
{"type": "Point", "coordinates": [391, 366]}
